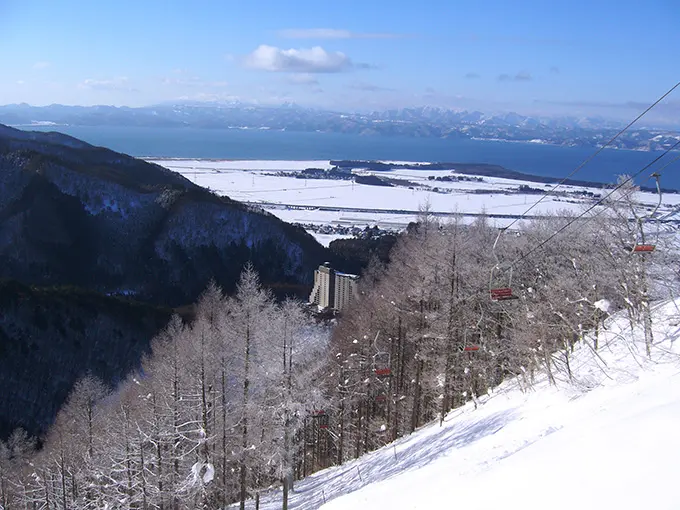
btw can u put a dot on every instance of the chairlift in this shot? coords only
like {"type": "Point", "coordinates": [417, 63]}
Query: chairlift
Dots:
{"type": "Point", "coordinates": [502, 294]}
{"type": "Point", "coordinates": [641, 246]}
{"type": "Point", "coordinates": [498, 293]}
{"type": "Point", "coordinates": [471, 346]}
{"type": "Point", "coordinates": [381, 360]}
{"type": "Point", "coordinates": [381, 364]}
{"type": "Point", "coordinates": [321, 418]}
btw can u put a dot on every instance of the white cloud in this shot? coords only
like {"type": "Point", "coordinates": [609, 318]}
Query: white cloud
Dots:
{"type": "Point", "coordinates": [182, 78]}
{"type": "Point", "coordinates": [183, 81]}
{"type": "Point", "coordinates": [302, 79]}
{"type": "Point", "coordinates": [41, 65]}
{"type": "Point", "coordinates": [118, 83]}
{"type": "Point", "coordinates": [520, 76]}
{"type": "Point", "coordinates": [313, 60]}
{"type": "Point", "coordinates": [209, 97]}
{"type": "Point", "coordinates": [369, 87]}
{"type": "Point", "coordinates": [332, 33]}
{"type": "Point", "coordinates": [20, 82]}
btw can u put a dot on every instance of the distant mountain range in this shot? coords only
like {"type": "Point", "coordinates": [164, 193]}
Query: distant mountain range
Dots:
{"type": "Point", "coordinates": [413, 122]}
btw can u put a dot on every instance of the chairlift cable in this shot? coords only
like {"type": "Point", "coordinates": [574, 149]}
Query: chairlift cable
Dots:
{"type": "Point", "coordinates": [590, 208]}
{"type": "Point", "coordinates": [586, 211]}
{"type": "Point", "coordinates": [673, 147]}
{"type": "Point", "coordinates": [597, 203]}
{"type": "Point", "coordinates": [613, 191]}
{"type": "Point", "coordinates": [592, 156]}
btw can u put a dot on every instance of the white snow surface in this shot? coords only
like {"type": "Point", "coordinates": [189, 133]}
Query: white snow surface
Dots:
{"type": "Point", "coordinates": [294, 200]}
{"type": "Point", "coordinates": [610, 438]}
{"type": "Point", "coordinates": [326, 239]}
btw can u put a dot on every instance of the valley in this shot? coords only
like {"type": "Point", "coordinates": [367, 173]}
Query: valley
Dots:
{"type": "Point", "coordinates": [339, 255]}
{"type": "Point", "coordinates": [230, 234]}
{"type": "Point", "coordinates": [329, 206]}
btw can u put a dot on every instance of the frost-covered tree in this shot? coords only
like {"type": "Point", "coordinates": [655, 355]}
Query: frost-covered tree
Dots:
{"type": "Point", "coordinates": [292, 394]}
{"type": "Point", "coordinates": [251, 318]}
{"type": "Point", "coordinates": [633, 225]}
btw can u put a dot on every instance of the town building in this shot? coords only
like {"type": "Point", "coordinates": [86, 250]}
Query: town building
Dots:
{"type": "Point", "coordinates": [333, 289]}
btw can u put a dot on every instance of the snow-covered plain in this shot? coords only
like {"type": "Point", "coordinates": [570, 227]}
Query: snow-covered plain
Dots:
{"type": "Point", "coordinates": [608, 439]}
{"type": "Point", "coordinates": [351, 204]}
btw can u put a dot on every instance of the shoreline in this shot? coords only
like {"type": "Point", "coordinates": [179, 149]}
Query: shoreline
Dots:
{"type": "Point", "coordinates": [469, 169]}
{"type": "Point", "coordinates": [533, 142]}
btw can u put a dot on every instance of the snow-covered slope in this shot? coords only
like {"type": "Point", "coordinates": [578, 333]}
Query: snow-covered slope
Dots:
{"type": "Point", "coordinates": [610, 438]}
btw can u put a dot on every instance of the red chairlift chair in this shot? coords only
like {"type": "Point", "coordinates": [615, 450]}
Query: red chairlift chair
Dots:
{"type": "Point", "coordinates": [381, 364]}
{"type": "Point", "coordinates": [321, 418]}
{"type": "Point", "coordinates": [642, 246]}
{"type": "Point", "coordinates": [471, 344]}
{"type": "Point", "coordinates": [502, 294]}
{"type": "Point", "coordinates": [381, 360]}
{"type": "Point", "coordinates": [498, 293]}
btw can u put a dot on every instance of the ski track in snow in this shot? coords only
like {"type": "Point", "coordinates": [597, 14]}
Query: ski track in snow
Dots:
{"type": "Point", "coordinates": [608, 439]}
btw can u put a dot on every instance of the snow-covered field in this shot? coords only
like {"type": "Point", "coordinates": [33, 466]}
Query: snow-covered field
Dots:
{"type": "Point", "coordinates": [610, 439]}
{"type": "Point", "coordinates": [345, 203]}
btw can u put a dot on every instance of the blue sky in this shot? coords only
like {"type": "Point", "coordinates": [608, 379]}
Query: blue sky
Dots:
{"type": "Point", "coordinates": [549, 56]}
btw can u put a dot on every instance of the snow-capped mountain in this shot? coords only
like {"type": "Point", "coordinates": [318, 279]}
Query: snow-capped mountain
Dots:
{"type": "Point", "coordinates": [423, 121]}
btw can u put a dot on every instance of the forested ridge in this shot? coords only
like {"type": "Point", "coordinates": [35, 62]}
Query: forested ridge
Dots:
{"type": "Point", "coordinates": [253, 394]}
{"type": "Point", "coordinates": [75, 214]}
{"type": "Point", "coordinates": [81, 225]}
{"type": "Point", "coordinates": [52, 336]}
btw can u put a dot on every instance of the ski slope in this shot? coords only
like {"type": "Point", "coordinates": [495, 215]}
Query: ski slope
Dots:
{"type": "Point", "coordinates": [608, 439]}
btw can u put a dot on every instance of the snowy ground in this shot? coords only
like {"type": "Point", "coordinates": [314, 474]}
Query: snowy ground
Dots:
{"type": "Point", "coordinates": [346, 203]}
{"type": "Point", "coordinates": [326, 239]}
{"type": "Point", "coordinates": [609, 439]}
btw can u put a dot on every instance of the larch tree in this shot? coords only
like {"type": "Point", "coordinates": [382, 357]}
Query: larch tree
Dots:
{"type": "Point", "coordinates": [250, 315]}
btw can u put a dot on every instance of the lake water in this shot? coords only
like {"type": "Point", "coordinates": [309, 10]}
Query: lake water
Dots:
{"type": "Point", "coordinates": [544, 160]}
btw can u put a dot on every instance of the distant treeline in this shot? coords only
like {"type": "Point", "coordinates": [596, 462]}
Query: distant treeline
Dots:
{"type": "Point", "coordinates": [478, 169]}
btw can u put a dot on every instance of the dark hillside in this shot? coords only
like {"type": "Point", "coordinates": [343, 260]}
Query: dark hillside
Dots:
{"type": "Point", "coordinates": [105, 224]}
{"type": "Point", "coordinates": [360, 251]}
{"type": "Point", "coordinates": [50, 337]}
{"type": "Point", "coordinates": [71, 213]}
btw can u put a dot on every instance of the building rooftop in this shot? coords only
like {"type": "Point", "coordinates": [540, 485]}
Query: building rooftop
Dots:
{"type": "Point", "coordinates": [338, 273]}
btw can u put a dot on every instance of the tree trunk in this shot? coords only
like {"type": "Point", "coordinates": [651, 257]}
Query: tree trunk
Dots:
{"type": "Point", "coordinates": [415, 416]}
{"type": "Point", "coordinates": [244, 431]}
